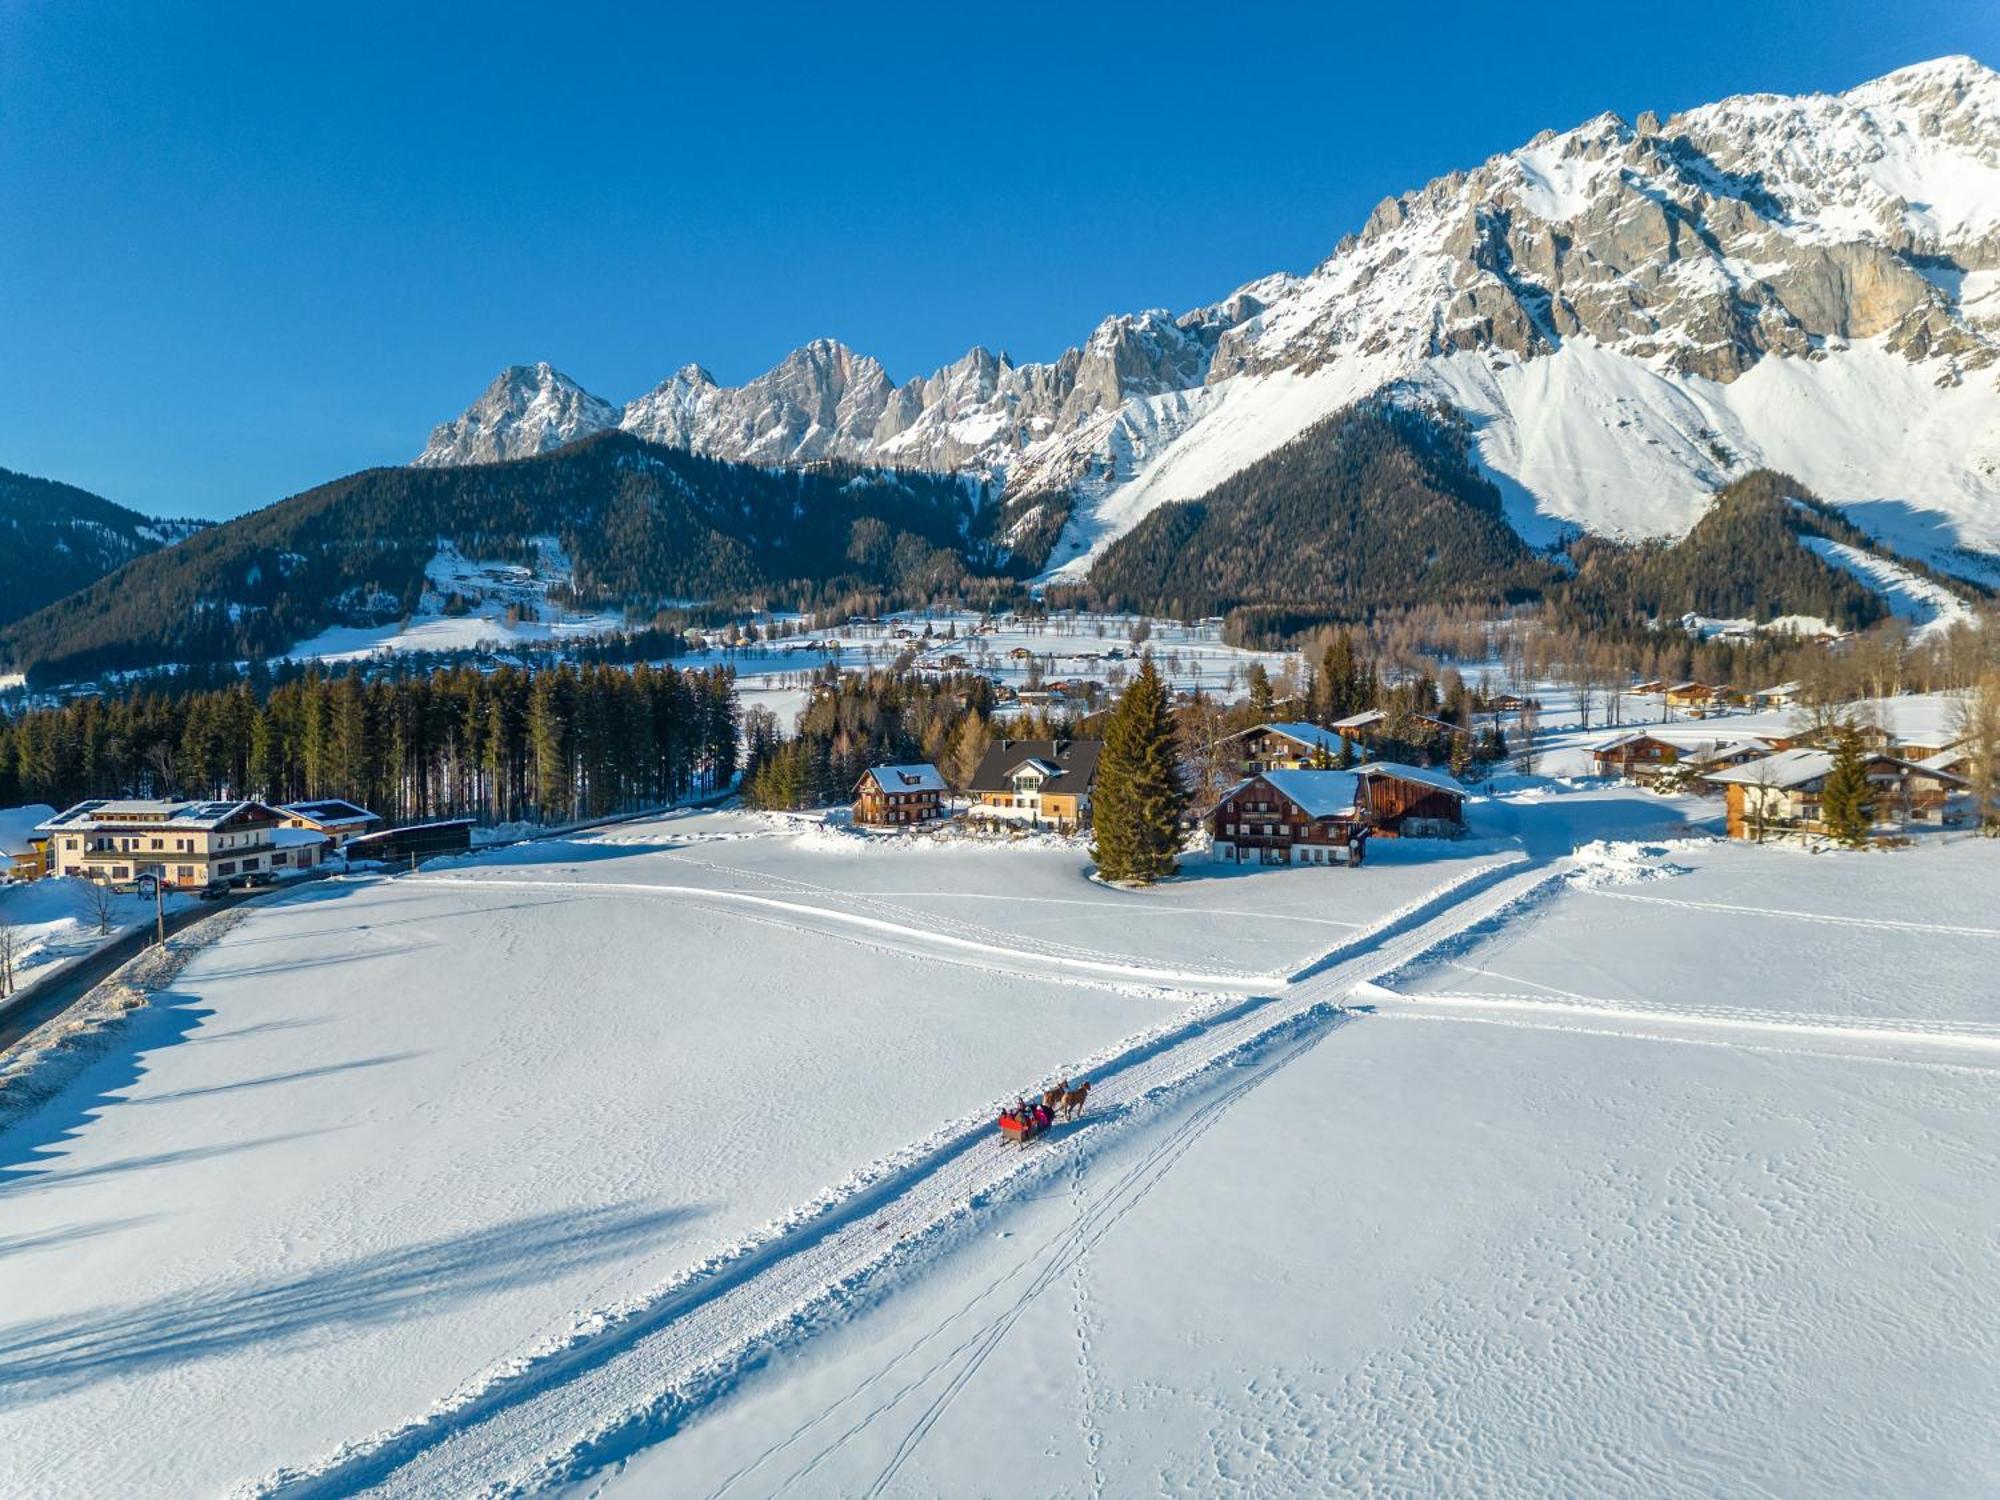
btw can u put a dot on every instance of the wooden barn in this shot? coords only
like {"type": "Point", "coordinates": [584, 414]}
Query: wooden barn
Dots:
{"type": "Point", "coordinates": [899, 796]}
{"type": "Point", "coordinates": [1411, 801]}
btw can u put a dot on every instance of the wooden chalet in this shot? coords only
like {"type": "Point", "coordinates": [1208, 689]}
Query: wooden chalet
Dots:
{"type": "Point", "coordinates": [1780, 794]}
{"type": "Point", "coordinates": [1643, 757]}
{"type": "Point", "coordinates": [1037, 781]}
{"type": "Point", "coordinates": [1290, 747]}
{"type": "Point", "coordinates": [1291, 817]}
{"type": "Point", "coordinates": [1362, 726]}
{"type": "Point", "coordinates": [899, 796]}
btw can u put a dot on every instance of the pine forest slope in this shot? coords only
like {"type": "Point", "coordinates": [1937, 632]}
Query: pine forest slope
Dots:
{"type": "Point", "coordinates": [56, 539]}
{"type": "Point", "coordinates": [642, 525]}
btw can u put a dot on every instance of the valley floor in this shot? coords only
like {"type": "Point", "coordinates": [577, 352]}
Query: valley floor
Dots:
{"type": "Point", "coordinates": [659, 1161]}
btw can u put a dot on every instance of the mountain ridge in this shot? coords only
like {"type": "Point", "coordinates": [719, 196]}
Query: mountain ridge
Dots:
{"type": "Point", "coordinates": [1659, 298]}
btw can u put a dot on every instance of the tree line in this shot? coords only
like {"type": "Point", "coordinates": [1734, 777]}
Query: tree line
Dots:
{"type": "Point", "coordinates": [551, 746]}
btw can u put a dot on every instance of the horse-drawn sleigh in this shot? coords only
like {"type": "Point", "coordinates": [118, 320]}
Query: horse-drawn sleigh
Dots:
{"type": "Point", "coordinates": [1025, 1121]}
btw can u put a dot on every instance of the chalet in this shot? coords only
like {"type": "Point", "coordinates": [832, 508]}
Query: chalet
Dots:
{"type": "Point", "coordinates": [24, 852]}
{"type": "Point", "coordinates": [1362, 726]}
{"type": "Point", "coordinates": [1780, 794]}
{"type": "Point", "coordinates": [1020, 653]}
{"type": "Point", "coordinates": [1038, 781]}
{"type": "Point", "coordinates": [1693, 695]}
{"type": "Point", "coordinates": [1646, 757]}
{"type": "Point", "coordinates": [899, 796]}
{"type": "Point", "coordinates": [1405, 801]}
{"type": "Point", "coordinates": [1290, 747]}
{"type": "Point", "coordinates": [184, 845]}
{"type": "Point", "coordinates": [296, 848]}
{"type": "Point", "coordinates": [1650, 685]}
{"type": "Point", "coordinates": [1287, 817]}
{"type": "Point", "coordinates": [337, 819]}
{"type": "Point", "coordinates": [1509, 703]}
{"type": "Point", "coordinates": [1780, 695]}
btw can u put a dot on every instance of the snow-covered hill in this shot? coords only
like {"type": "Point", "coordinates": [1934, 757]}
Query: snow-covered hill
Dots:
{"type": "Point", "coordinates": [1628, 314]}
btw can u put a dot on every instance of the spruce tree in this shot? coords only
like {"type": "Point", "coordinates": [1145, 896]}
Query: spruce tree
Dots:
{"type": "Point", "coordinates": [1847, 802]}
{"type": "Point", "coordinates": [1138, 800]}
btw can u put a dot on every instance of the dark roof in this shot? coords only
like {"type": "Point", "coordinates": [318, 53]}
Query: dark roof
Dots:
{"type": "Point", "coordinates": [330, 810]}
{"type": "Point", "coordinates": [1078, 759]}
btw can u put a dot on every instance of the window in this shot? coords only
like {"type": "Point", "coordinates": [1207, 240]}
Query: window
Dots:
{"type": "Point", "coordinates": [184, 872]}
{"type": "Point", "coordinates": [121, 872]}
{"type": "Point", "coordinates": [227, 867]}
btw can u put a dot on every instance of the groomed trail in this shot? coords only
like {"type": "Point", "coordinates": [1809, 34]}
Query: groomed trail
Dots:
{"type": "Point", "coordinates": [631, 1376]}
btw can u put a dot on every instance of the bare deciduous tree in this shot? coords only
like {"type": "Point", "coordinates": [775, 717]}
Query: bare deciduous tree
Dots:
{"type": "Point", "coordinates": [98, 903]}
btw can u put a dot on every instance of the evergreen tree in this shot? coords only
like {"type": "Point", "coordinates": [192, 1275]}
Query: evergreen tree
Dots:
{"type": "Point", "coordinates": [1259, 683]}
{"type": "Point", "coordinates": [1139, 799]}
{"type": "Point", "coordinates": [1847, 802]}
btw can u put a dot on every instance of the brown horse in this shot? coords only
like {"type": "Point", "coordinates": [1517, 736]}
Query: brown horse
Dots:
{"type": "Point", "coordinates": [1052, 1098]}
{"type": "Point", "coordinates": [1072, 1100]}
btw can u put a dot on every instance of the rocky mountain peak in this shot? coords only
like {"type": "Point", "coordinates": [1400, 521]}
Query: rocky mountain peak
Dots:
{"type": "Point", "coordinates": [528, 409]}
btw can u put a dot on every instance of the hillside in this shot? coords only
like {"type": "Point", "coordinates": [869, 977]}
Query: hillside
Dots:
{"type": "Point", "coordinates": [1377, 505]}
{"type": "Point", "coordinates": [1745, 558]}
{"type": "Point", "coordinates": [1630, 314]}
{"type": "Point", "coordinates": [639, 524]}
{"type": "Point", "coordinates": [56, 539]}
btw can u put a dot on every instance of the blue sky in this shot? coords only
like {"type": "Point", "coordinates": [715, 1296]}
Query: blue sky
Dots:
{"type": "Point", "coordinates": [250, 248]}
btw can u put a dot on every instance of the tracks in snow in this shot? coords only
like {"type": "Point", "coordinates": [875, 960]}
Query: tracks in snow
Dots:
{"type": "Point", "coordinates": [1882, 1038]}
{"type": "Point", "coordinates": [1018, 958]}
{"type": "Point", "coordinates": [633, 1377]}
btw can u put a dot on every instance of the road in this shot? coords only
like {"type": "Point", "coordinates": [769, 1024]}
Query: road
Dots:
{"type": "Point", "coordinates": [50, 998]}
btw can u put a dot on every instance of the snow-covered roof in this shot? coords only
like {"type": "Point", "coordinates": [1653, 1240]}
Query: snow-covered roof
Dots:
{"type": "Point", "coordinates": [1361, 720]}
{"type": "Point", "coordinates": [146, 813]}
{"type": "Point", "coordinates": [922, 777]}
{"type": "Point", "coordinates": [1788, 768]}
{"type": "Point", "coordinates": [1437, 780]}
{"type": "Point", "coordinates": [1911, 719]}
{"type": "Point", "coordinates": [1323, 794]}
{"type": "Point", "coordinates": [1312, 736]}
{"type": "Point", "coordinates": [18, 825]}
{"type": "Point", "coordinates": [1780, 690]}
{"type": "Point", "coordinates": [294, 838]}
{"type": "Point", "coordinates": [330, 810]}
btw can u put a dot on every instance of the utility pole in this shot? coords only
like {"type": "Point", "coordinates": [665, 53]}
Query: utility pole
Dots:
{"type": "Point", "coordinates": [160, 908]}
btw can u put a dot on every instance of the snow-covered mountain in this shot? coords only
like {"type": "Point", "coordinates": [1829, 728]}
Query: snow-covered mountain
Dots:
{"type": "Point", "coordinates": [1627, 314]}
{"type": "Point", "coordinates": [528, 409]}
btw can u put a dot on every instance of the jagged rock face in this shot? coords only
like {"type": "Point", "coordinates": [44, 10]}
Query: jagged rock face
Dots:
{"type": "Point", "coordinates": [1757, 226]}
{"type": "Point", "coordinates": [528, 409]}
{"type": "Point", "coordinates": [1691, 250]}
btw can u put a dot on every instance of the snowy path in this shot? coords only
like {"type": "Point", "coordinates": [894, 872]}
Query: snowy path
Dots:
{"type": "Point", "coordinates": [569, 1410]}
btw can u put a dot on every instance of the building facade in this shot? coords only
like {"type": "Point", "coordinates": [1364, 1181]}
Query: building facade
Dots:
{"type": "Point", "coordinates": [184, 845]}
{"type": "Point", "coordinates": [1291, 817]}
{"type": "Point", "coordinates": [899, 796]}
{"type": "Point", "coordinates": [1039, 782]}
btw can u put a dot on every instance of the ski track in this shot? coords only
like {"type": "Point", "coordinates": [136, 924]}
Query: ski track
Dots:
{"type": "Point", "coordinates": [1023, 958]}
{"type": "Point", "coordinates": [1862, 1035]}
{"type": "Point", "coordinates": [629, 1377]}
{"type": "Point", "coordinates": [1890, 924]}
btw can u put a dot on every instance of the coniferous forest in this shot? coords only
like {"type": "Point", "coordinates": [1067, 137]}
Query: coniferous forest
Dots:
{"type": "Point", "coordinates": [548, 746]}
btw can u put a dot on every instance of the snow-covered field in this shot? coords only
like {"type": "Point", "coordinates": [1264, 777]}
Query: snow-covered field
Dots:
{"type": "Point", "coordinates": [658, 1160]}
{"type": "Point", "coordinates": [492, 590]}
{"type": "Point", "coordinates": [54, 920]}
